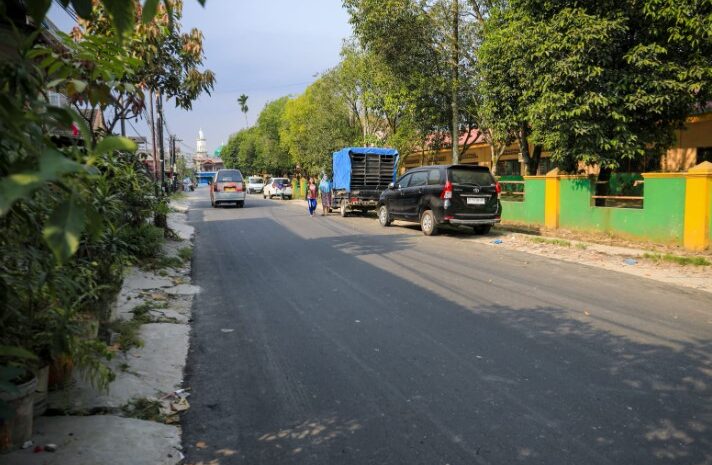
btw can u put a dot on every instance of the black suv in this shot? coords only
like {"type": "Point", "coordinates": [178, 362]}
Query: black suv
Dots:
{"type": "Point", "coordinates": [443, 194]}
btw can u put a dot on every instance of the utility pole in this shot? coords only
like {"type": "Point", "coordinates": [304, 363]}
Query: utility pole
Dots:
{"type": "Point", "coordinates": [123, 119]}
{"type": "Point", "coordinates": [152, 96]}
{"type": "Point", "coordinates": [159, 109]}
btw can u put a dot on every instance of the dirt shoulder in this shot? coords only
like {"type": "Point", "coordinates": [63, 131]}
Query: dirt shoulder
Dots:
{"type": "Point", "coordinates": [667, 264]}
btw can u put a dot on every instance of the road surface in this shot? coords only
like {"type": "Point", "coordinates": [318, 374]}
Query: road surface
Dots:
{"type": "Point", "coordinates": [335, 341]}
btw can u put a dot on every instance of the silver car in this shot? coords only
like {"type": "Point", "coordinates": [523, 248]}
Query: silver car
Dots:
{"type": "Point", "coordinates": [228, 186]}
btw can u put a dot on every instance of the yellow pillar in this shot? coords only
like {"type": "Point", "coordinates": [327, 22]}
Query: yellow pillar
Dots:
{"type": "Point", "coordinates": [698, 190]}
{"type": "Point", "coordinates": [551, 199]}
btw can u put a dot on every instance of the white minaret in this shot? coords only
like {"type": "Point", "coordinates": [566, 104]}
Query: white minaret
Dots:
{"type": "Point", "coordinates": [201, 148]}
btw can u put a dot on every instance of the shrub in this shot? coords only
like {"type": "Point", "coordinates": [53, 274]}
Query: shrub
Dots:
{"type": "Point", "coordinates": [144, 241]}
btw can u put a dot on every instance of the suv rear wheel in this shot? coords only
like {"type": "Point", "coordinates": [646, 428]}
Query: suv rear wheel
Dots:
{"type": "Point", "coordinates": [428, 224]}
{"type": "Point", "coordinates": [383, 217]}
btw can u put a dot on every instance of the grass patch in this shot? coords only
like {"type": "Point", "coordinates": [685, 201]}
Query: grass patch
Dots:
{"type": "Point", "coordinates": [544, 240]}
{"type": "Point", "coordinates": [163, 262]}
{"type": "Point", "coordinates": [581, 245]}
{"type": "Point", "coordinates": [143, 409]}
{"type": "Point", "coordinates": [677, 259]}
{"type": "Point", "coordinates": [185, 253]}
{"type": "Point", "coordinates": [177, 195]}
{"type": "Point", "coordinates": [142, 313]}
{"type": "Point", "coordinates": [128, 333]}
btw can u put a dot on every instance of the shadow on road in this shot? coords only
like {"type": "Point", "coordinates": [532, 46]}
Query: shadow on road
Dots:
{"type": "Point", "coordinates": [334, 360]}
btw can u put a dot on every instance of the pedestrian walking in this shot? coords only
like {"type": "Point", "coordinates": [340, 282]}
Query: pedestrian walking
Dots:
{"type": "Point", "coordinates": [325, 190]}
{"type": "Point", "coordinates": [311, 196]}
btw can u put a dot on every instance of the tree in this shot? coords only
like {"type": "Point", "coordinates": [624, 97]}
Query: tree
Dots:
{"type": "Point", "coordinates": [599, 82]}
{"type": "Point", "coordinates": [242, 100]}
{"type": "Point", "coordinates": [259, 148]}
{"type": "Point", "coordinates": [317, 123]}
{"type": "Point", "coordinates": [429, 46]}
{"type": "Point", "coordinates": [505, 67]}
{"type": "Point", "coordinates": [170, 59]}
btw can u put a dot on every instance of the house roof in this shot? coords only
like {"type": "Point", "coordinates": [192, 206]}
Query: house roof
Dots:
{"type": "Point", "coordinates": [443, 138]}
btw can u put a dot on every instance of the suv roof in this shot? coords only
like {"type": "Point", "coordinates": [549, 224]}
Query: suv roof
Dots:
{"type": "Point", "coordinates": [429, 167]}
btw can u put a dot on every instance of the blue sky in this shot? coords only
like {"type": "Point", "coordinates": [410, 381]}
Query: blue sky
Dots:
{"type": "Point", "coordinates": [265, 49]}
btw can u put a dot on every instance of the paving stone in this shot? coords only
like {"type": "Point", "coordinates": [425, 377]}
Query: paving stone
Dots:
{"type": "Point", "coordinates": [155, 368]}
{"type": "Point", "coordinates": [101, 439]}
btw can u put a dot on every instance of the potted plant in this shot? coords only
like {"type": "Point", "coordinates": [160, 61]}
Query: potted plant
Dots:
{"type": "Point", "coordinates": [17, 387]}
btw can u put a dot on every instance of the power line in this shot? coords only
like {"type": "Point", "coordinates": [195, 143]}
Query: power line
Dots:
{"type": "Point", "coordinates": [68, 9]}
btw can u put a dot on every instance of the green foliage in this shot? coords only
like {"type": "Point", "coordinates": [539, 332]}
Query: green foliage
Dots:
{"type": "Point", "coordinates": [185, 253]}
{"type": "Point", "coordinates": [678, 259]}
{"type": "Point", "coordinates": [596, 82]}
{"type": "Point", "coordinates": [127, 332]}
{"type": "Point", "coordinates": [260, 148]}
{"type": "Point", "coordinates": [316, 124]}
{"type": "Point", "coordinates": [544, 240]}
{"type": "Point", "coordinates": [143, 409]}
{"type": "Point", "coordinates": [168, 60]}
{"type": "Point", "coordinates": [144, 241]}
{"type": "Point", "coordinates": [429, 47]}
{"type": "Point", "coordinates": [74, 209]}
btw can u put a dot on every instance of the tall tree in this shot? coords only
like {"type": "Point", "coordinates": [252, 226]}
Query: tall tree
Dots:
{"type": "Point", "coordinates": [317, 123]}
{"type": "Point", "coordinates": [155, 53]}
{"type": "Point", "coordinates": [428, 45]}
{"type": "Point", "coordinates": [599, 82]}
{"type": "Point", "coordinates": [242, 100]}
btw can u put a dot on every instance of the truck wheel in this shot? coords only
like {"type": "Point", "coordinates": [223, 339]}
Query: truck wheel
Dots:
{"type": "Point", "coordinates": [383, 217]}
{"type": "Point", "coordinates": [342, 209]}
{"type": "Point", "coordinates": [428, 224]}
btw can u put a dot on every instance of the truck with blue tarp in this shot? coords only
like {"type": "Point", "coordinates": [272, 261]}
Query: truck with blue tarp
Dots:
{"type": "Point", "coordinates": [360, 175]}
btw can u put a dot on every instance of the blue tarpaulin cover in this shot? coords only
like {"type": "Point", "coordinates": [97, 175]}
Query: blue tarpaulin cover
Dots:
{"type": "Point", "coordinates": [342, 163]}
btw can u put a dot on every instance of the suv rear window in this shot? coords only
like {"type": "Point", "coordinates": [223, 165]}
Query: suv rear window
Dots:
{"type": "Point", "coordinates": [469, 176]}
{"type": "Point", "coordinates": [229, 176]}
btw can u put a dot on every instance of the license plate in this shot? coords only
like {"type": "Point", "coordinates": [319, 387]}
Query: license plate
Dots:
{"type": "Point", "coordinates": [476, 201]}
{"type": "Point", "coordinates": [229, 189]}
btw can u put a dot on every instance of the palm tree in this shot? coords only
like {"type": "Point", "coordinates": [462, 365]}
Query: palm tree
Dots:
{"type": "Point", "coordinates": [243, 107]}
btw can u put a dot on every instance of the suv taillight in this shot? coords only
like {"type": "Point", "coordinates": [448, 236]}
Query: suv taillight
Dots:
{"type": "Point", "coordinates": [498, 188]}
{"type": "Point", "coordinates": [447, 192]}
{"type": "Point", "coordinates": [215, 187]}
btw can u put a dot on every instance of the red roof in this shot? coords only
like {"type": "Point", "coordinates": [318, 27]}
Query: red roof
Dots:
{"type": "Point", "coordinates": [466, 138]}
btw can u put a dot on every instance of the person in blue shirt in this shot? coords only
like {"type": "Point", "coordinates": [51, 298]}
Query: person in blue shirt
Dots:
{"type": "Point", "coordinates": [325, 191]}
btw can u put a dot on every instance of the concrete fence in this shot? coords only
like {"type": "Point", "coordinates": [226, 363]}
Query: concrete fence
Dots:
{"type": "Point", "coordinates": [677, 207]}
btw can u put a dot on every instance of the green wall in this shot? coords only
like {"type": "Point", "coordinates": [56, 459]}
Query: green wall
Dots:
{"type": "Point", "coordinates": [660, 219]}
{"type": "Point", "coordinates": [531, 210]}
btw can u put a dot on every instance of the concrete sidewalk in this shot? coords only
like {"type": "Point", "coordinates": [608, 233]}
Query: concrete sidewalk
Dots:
{"type": "Point", "coordinates": [146, 374]}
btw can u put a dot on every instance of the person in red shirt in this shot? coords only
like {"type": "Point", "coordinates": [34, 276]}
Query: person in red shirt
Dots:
{"type": "Point", "coordinates": [311, 196]}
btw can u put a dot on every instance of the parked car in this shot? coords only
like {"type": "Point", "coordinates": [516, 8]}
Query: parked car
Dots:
{"type": "Point", "coordinates": [445, 194]}
{"type": "Point", "coordinates": [228, 186]}
{"type": "Point", "coordinates": [255, 185]}
{"type": "Point", "coordinates": [280, 187]}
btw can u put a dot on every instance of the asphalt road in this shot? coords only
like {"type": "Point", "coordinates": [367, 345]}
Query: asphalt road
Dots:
{"type": "Point", "coordinates": [335, 341]}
